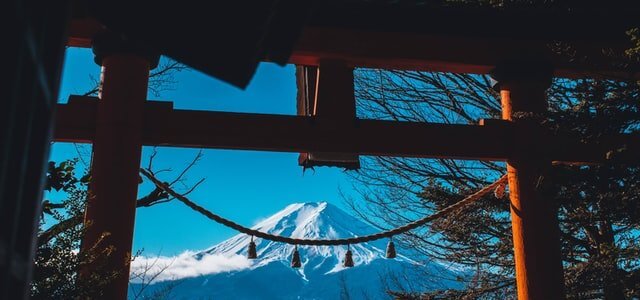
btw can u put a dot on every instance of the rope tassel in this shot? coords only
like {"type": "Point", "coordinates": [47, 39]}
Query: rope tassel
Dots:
{"type": "Point", "coordinates": [295, 258]}
{"type": "Point", "coordinates": [348, 258]}
{"type": "Point", "coordinates": [391, 250]}
{"type": "Point", "coordinates": [251, 252]}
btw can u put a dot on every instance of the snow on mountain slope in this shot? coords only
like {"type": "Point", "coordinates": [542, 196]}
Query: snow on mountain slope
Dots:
{"type": "Point", "coordinates": [321, 276]}
{"type": "Point", "coordinates": [313, 221]}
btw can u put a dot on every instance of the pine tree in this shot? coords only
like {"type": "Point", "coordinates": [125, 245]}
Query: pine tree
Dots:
{"type": "Point", "coordinates": [598, 204]}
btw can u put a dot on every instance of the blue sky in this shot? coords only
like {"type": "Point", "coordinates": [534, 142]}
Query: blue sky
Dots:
{"type": "Point", "coordinates": [245, 186]}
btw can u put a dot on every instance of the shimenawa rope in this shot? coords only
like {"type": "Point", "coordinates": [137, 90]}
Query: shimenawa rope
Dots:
{"type": "Point", "coordinates": [325, 242]}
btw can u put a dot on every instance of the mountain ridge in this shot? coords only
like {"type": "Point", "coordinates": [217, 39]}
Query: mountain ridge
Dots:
{"type": "Point", "coordinates": [312, 220]}
{"type": "Point", "coordinates": [321, 276]}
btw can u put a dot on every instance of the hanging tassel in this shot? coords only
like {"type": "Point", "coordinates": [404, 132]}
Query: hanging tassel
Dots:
{"type": "Point", "coordinates": [348, 258]}
{"type": "Point", "coordinates": [295, 259]}
{"type": "Point", "coordinates": [391, 249]}
{"type": "Point", "coordinates": [251, 252]}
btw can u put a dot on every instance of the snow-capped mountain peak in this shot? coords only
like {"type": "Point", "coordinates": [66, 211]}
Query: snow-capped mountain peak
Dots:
{"type": "Point", "coordinates": [231, 275]}
{"type": "Point", "coordinates": [316, 220]}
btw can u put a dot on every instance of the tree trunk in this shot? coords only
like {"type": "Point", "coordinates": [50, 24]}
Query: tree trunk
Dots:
{"type": "Point", "coordinates": [612, 282]}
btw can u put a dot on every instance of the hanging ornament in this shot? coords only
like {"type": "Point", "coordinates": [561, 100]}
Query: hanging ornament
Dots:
{"type": "Point", "coordinates": [500, 191]}
{"type": "Point", "coordinates": [295, 258]}
{"type": "Point", "coordinates": [348, 258]}
{"type": "Point", "coordinates": [391, 249]}
{"type": "Point", "coordinates": [251, 252]}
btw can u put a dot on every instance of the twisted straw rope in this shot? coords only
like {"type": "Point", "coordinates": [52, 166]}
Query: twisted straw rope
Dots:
{"type": "Point", "coordinates": [332, 242]}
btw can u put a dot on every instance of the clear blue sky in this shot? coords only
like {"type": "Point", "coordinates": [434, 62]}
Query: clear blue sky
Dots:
{"type": "Point", "coordinates": [245, 186]}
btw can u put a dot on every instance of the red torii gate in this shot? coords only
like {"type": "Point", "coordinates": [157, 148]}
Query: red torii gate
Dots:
{"type": "Point", "coordinates": [122, 121]}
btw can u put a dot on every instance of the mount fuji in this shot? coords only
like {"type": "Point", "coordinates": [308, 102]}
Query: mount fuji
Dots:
{"type": "Point", "coordinates": [321, 276]}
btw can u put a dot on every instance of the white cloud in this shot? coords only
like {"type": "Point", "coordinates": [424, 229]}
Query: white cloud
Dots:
{"type": "Point", "coordinates": [183, 266]}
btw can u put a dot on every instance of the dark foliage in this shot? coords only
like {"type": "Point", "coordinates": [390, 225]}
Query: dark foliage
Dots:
{"type": "Point", "coordinates": [598, 205]}
{"type": "Point", "coordinates": [57, 259]}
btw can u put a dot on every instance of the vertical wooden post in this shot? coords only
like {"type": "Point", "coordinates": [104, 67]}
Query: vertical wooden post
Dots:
{"type": "Point", "coordinates": [334, 95]}
{"type": "Point", "coordinates": [326, 93]}
{"type": "Point", "coordinates": [536, 238]}
{"type": "Point", "coordinates": [111, 206]}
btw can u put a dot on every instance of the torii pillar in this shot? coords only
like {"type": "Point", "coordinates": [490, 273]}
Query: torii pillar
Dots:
{"type": "Point", "coordinates": [534, 217]}
{"type": "Point", "coordinates": [110, 211]}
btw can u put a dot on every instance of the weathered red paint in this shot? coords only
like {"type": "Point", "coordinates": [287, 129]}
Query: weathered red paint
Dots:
{"type": "Point", "coordinates": [536, 239]}
{"type": "Point", "coordinates": [117, 144]}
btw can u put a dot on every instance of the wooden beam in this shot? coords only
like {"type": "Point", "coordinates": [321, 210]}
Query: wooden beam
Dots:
{"type": "Point", "coordinates": [75, 122]}
{"type": "Point", "coordinates": [473, 40]}
{"type": "Point", "coordinates": [204, 129]}
{"type": "Point", "coordinates": [441, 53]}
{"type": "Point", "coordinates": [306, 134]}
{"type": "Point", "coordinates": [81, 31]}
